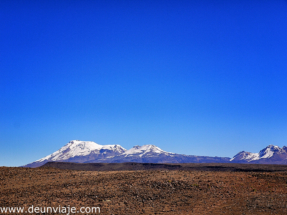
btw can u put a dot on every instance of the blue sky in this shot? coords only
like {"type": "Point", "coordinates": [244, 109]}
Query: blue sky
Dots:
{"type": "Point", "coordinates": [192, 77]}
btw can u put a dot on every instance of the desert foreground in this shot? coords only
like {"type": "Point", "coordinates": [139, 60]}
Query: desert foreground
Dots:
{"type": "Point", "coordinates": [146, 191]}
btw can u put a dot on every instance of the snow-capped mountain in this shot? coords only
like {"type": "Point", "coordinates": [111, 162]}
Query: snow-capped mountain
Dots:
{"type": "Point", "coordinates": [269, 155]}
{"type": "Point", "coordinates": [144, 154]}
{"type": "Point", "coordinates": [91, 152]}
{"type": "Point", "coordinates": [145, 151]}
{"type": "Point", "coordinates": [245, 156]}
{"type": "Point", "coordinates": [81, 151]}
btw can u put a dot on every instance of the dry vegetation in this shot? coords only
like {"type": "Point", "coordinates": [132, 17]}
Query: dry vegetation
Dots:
{"type": "Point", "coordinates": [147, 191]}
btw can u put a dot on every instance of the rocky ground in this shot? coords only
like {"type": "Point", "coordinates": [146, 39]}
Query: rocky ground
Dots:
{"type": "Point", "coordinates": [147, 191]}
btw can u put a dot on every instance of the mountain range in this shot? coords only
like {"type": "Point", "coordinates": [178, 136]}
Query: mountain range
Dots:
{"type": "Point", "coordinates": [269, 155]}
{"type": "Point", "coordinates": [90, 152]}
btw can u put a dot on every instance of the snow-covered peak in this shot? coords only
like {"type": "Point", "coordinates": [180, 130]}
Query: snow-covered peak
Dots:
{"type": "Point", "coordinates": [142, 150]}
{"type": "Point", "coordinates": [248, 156]}
{"type": "Point", "coordinates": [83, 145]}
{"type": "Point", "coordinates": [80, 148]}
{"type": "Point", "coordinates": [273, 147]}
{"type": "Point", "coordinates": [269, 151]}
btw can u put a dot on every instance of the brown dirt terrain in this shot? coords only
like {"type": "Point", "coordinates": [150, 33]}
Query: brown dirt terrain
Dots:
{"type": "Point", "coordinates": [147, 191]}
{"type": "Point", "coordinates": [233, 167]}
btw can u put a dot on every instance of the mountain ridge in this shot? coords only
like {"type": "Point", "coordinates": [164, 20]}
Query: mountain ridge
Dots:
{"type": "Point", "coordinates": [78, 151]}
{"type": "Point", "coordinates": [90, 152]}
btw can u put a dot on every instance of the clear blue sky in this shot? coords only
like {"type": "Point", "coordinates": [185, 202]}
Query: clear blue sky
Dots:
{"type": "Point", "coordinates": [193, 77]}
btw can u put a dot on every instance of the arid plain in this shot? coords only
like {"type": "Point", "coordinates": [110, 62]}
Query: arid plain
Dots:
{"type": "Point", "coordinates": [158, 191]}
